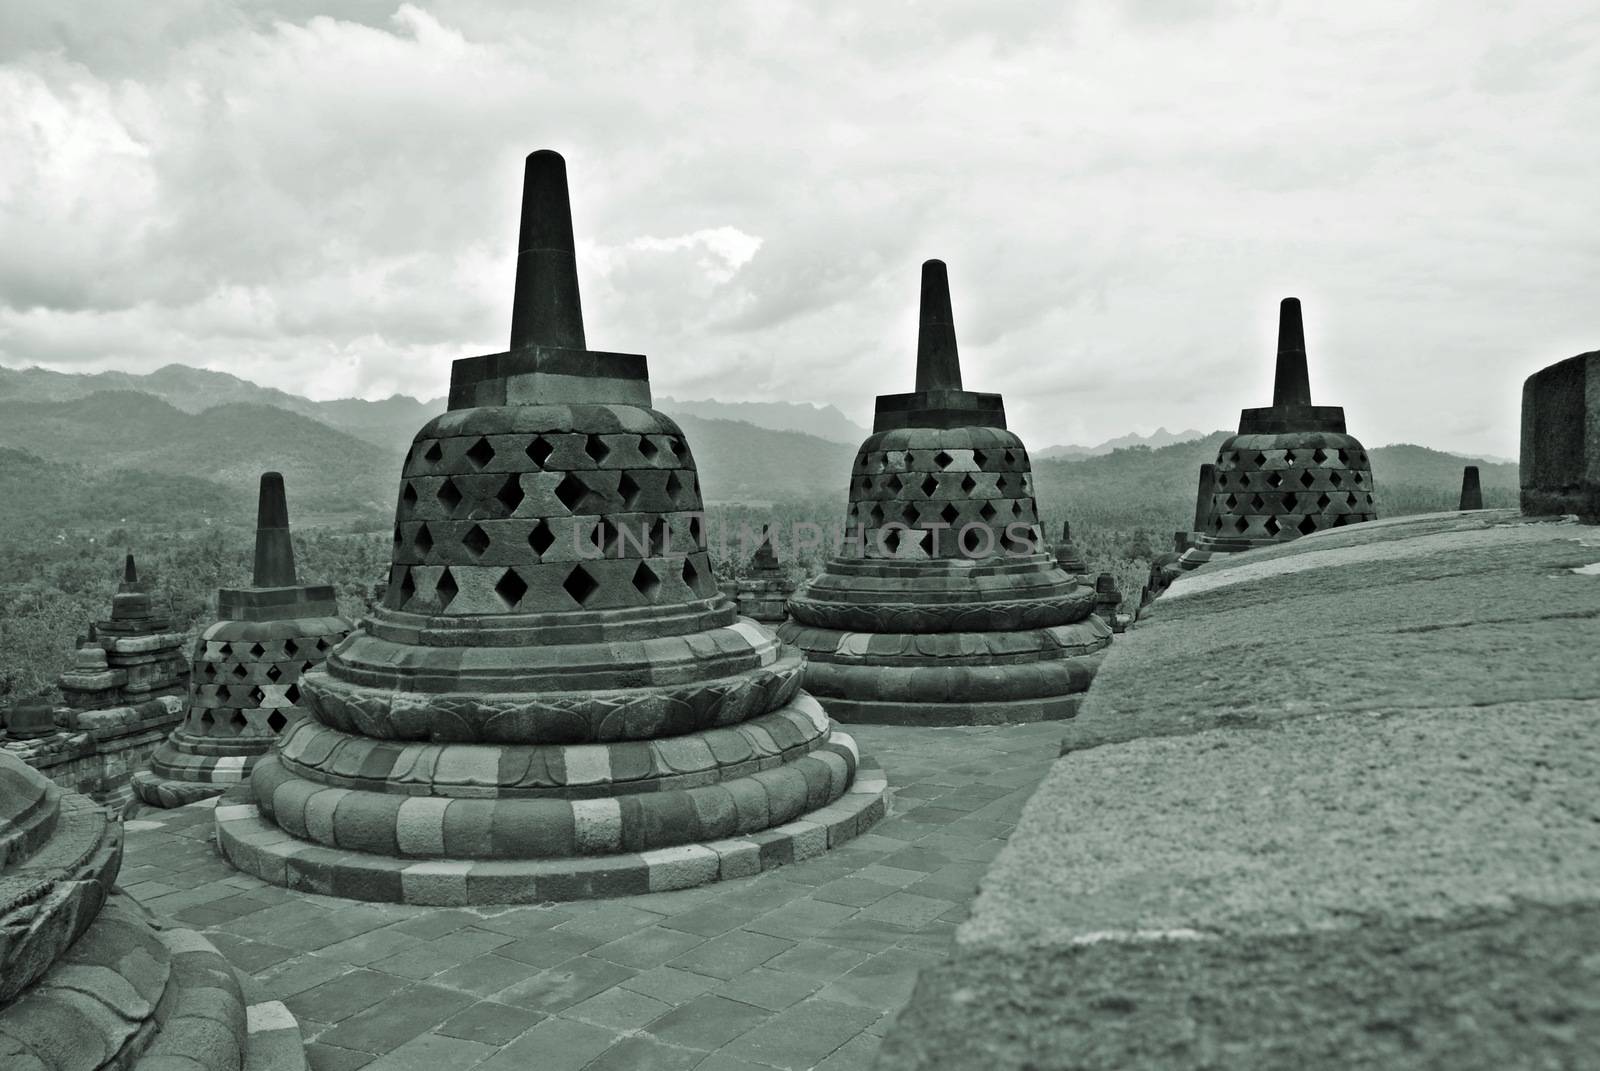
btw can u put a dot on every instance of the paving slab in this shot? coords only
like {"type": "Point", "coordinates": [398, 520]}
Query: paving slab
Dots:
{"type": "Point", "coordinates": [802, 966]}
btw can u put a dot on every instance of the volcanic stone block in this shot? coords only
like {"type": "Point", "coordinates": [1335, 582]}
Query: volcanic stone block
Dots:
{"type": "Point", "coordinates": [1560, 463]}
{"type": "Point", "coordinates": [947, 610]}
{"type": "Point", "coordinates": [247, 668]}
{"type": "Point", "coordinates": [554, 699]}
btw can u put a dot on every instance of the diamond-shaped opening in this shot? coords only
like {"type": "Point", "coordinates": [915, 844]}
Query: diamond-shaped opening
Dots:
{"type": "Point", "coordinates": [1001, 484]}
{"type": "Point", "coordinates": [1344, 458]}
{"type": "Point", "coordinates": [866, 485]}
{"type": "Point", "coordinates": [225, 650]}
{"type": "Point", "coordinates": [645, 581]}
{"type": "Point", "coordinates": [679, 447]}
{"type": "Point", "coordinates": [979, 457]}
{"type": "Point", "coordinates": [580, 585]}
{"type": "Point", "coordinates": [1322, 501]}
{"type": "Point", "coordinates": [1241, 524]}
{"type": "Point", "coordinates": [628, 489]}
{"type": "Point", "coordinates": [942, 459]}
{"type": "Point", "coordinates": [1351, 500]}
{"type": "Point", "coordinates": [476, 540]}
{"type": "Point", "coordinates": [322, 644]}
{"type": "Point", "coordinates": [256, 650]}
{"type": "Point", "coordinates": [409, 496]}
{"type": "Point", "coordinates": [434, 453]}
{"type": "Point", "coordinates": [909, 516]}
{"type": "Point", "coordinates": [877, 515]}
{"type": "Point", "coordinates": [987, 511]}
{"type": "Point", "coordinates": [292, 693]}
{"type": "Point", "coordinates": [257, 695]}
{"type": "Point", "coordinates": [648, 449]}
{"type": "Point", "coordinates": [423, 540]}
{"type": "Point", "coordinates": [691, 575]}
{"type": "Point", "coordinates": [930, 484]}
{"type": "Point", "coordinates": [659, 535]}
{"type": "Point", "coordinates": [911, 461]}
{"type": "Point", "coordinates": [398, 538]}
{"type": "Point", "coordinates": [1222, 479]}
{"type": "Point", "coordinates": [1274, 479]}
{"type": "Point", "coordinates": [1288, 457]}
{"type": "Point", "coordinates": [511, 588]}
{"type": "Point", "coordinates": [446, 589]}
{"type": "Point", "coordinates": [674, 486]}
{"type": "Point", "coordinates": [207, 719]}
{"type": "Point", "coordinates": [1341, 520]}
{"type": "Point", "coordinates": [967, 484]}
{"type": "Point", "coordinates": [273, 673]}
{"type": "Point", "coordinates": [540, 538]}
{"type": "Point", "coordinates": [240, 671]}
{"type": "Point", "coordinates": [408, 588]}
{"type": "Point", "coordinates": [276, 721]}
{"type": "Point", "coordinates": [604, 536]}
{"type": "Point", "coordinates": [1244, 479]}
{"type": "Point", "coordinates": [539, 451]}
{"type": "Point", "coordinates": [1319, 455]}
{"type": "Point", "coordinates": [1011, 458]}
{"type": "Point", "coordinates": [449, 495]}
{"type": "Point", "coordinates": [1230, 501]}
{"type": "Point", "coordinates": [891, 539]}
{"type": "Point", "coordinates": [894, 483]}
{"type": "Point", "coordinates": [1334, 478]}
{"type": "Point", "coordinates": [1290, 501]}
{"type": "Point", "coordinates": [970, 541]}
{"type": "Point", "coordinates": [1016, 508]}
{"type": "Point", "coordinates": [1355, 478]}
{"type": "Point", "coordinates": [1258, 503]}
{"type": "Point", "coordinates": [237, 722]}
{"type": "Point", "coordinates": [596, 448]}
{"type": "Point", "coordinates": [1272, 526]}
{"type": "Point", "coordinates": [1369, 500]}
{"type": "Point", "coordinates": [211, 669]}
{"type": "Point", "coordinates": [480, 453]}
{"type": "Point", "coordinates": [950, 513]}
{"type": "Point", "coordinates": [1216, 522]}
{"type": "Point", "coordinates": [1308, 524]}
{"type": "Point", "coordinates": [571, 491]}
{"type": "Point", "coordinates": [1306, 479]}
{"type": "Point", "coordinates": [510, 494]}
{"type": "Point", "coordinates": [697, 532]}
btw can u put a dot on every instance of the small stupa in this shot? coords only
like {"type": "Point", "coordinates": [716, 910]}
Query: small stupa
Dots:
{"type": "Point", "coordinates": [763, 592]}
{"type": "Point", "coordinates": [948, 608]}
{"type": "Point", "coordinates": [554, 700]}
{"type": "Point", "coordinates": [1291, 470]}
{"type": "Point", "coordinates": [130, 657]}
{"type": "Point", "coordinates": [247, 668]}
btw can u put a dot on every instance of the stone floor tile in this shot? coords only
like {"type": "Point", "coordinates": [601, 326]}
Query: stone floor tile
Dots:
{"type": "Point", "coordinates": [248, 955]}
{"type": "Point", "coordinates": [802, 1036]}
{"type": "Point", "coordinates": [416, 963]}
{"type": "Point", "coordinates": [853, 890]}
{"type": "Point", "coordinates": [437, 923]}
{"type": "Point", "coordinates": [557, 988]}
{"type": "Point", "coordinates": [610, 922]}
{"type": "Point", "coordinates": [431, 1052]}
{"type": "Point", "coordinates": [883, 981]}
{"type": "Point", "coordinates": [619, 1009]}
{"type": "Point", "coordinates": [488, 1022]}
{"type": "Point", "coordinates": [458, 946]}
{"type": "Point", "coordinates": [671, 985]}
{"type": "Point", "coordinates": [709, 920]}
{"type": "Point", "coordinates": [483, 975]}
{"type": "Point", "coordinates": [918, 857]}
{"type": "Point", "coordinates": [907, 909]}
{"type": "Point", "coordinates": [525, 921]}
{"type": "Point", "coordinates": [818, 959]}
{"type": "Point", "coordinates": [381, 1027]}
{"type": "Point", "coordinates": [800, 919]}
{"type": "Point", "coordinates": [867, 934]}
{"type": "Point", "coordinates": [731, 954]}
{"type": "Point", "coordinates": [856, 1054]}
{"type": "Point", "coordinates": [338, 998]}
{"type": "Point", "coordinates": [706, 1022]}
{"type": "Point", "coordinates": [644, 1053]}
{"type": "Point", "coordinates": [772, 989]}
{"type": "Point", "coordinates": [549, 948]}
{"type": "Point", "coordinates": [883, 874]}
{"type": "Point", "coordinates": [283, 980]}
{"type": "Point", "coordinates": [552, 1045]}
{"type": "Point", "coordinates": [650, 947]}
{"type": "Point", "coordinates": [320, 1057]}
{"type": "Point", "coordinates": [368, 947]}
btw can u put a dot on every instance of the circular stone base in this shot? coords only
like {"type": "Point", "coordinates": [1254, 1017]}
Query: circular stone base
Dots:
{"type": "Point", "coordinates": [166, 793]}
{"type": "Point", "coordinates": [180, 775]}
{"type": "Point", "coordinates": [256, 846]}
{"type": "Point", "coordinates": [1014, 712]}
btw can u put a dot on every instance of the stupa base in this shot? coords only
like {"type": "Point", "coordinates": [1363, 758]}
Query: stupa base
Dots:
{"type": "Point", "coordinates": [256, 846]}
{"type": "Point", "coordinates": [925, 712]}
{"type": "Point", "coordinates": [180, 775]}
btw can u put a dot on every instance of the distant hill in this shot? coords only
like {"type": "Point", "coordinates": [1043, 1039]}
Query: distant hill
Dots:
{"type": "Point", "coordinates": [1158, 438]}
{"type": "Point", "coordinates": [822, 421]}
{"type": "Point", "coordinates": [42, 497]}
{"type": "Point", "coordinates": [740, 462]}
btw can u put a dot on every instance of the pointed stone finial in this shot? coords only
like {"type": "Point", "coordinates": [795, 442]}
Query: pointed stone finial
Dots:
{"type": "Point", "coordinates": [1066, 532]}
{"type": "Point", "coordinates": [130, 571]}
{"type": "Point", "coordinates": [1292, 383]}
{"type": "Point", "coordinates": [545, 309]}
{"type": "Point", "coordinates": [274, 551]}
{"type": "Point", "coordinates": [766, 555]}
{"type": "Point", "coordinates": [938, 362]}
{"type": "Point", "coordinates": [1471, 490]}
{"type": "Point", "coordinates": [1202, 499]}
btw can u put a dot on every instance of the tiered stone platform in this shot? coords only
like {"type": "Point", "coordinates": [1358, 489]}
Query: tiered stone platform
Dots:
{"type": "Point", "coordinates": [948, 610]}
{"type": "Point", "coordinates": [554, 700]}
{"type": "Point", "coordinates": [1382, 853]}
{"type": "Point", "coordinates": [247, 668]}
{"type": "Point", "coordinates": [87, 979]}
{"type": "Point", "coordinates": [762, 594]}
{"type": "Point", "coordinates": [1290, 471]}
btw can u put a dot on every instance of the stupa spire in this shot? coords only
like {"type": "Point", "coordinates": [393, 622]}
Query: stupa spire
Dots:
{"type": "Point", "coordinates": [938, 361]}
{"type": "Point", "coordinates": [274, 550]}
{"type": "Point", "coordinates": [545, 309]}
{"type": "Point", "coordinates": [1292, 383]}
{"type": "Point", "coordinates": [130, 572]}
{"type": "Point", "coordinates": [1471, 489]}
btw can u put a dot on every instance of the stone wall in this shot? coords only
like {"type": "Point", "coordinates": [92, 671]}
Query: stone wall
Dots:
{"type": "Point", "coordinates": [96, 751]}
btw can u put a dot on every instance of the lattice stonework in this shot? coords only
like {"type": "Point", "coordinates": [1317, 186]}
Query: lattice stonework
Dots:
{"type": "Point", "coordinates": [247, 682]}
{"type": "Point", "coordinates": [1281, 487]}
{"type": "Point", "coordinates": [554, 519]}
{"type": "Point", "coordinates": [919, 479]}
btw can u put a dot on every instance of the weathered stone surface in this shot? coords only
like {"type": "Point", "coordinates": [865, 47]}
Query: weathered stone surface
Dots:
{"type": "Point", "coordinates": [553, 692]}
{"type": "Point", "coordinates": [1560, 465]}
{"type": "Point", "coordinates": [946, 543]}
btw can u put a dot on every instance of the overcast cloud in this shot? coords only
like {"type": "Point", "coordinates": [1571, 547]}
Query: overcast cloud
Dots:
{"type": "Point", "coordinates": [323, 196]}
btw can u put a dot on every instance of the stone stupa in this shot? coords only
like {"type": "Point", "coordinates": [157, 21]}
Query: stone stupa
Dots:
{"type": "Point", "coordinates": [948, 609]}
{"type": "Point", "coordinates": [245, 687]}
{"type": "Point", "coordinates": [1291, 470]}
{"type": "Point", "coordinates": [130, 657]}
{"type": "Point", "coordinates": [554, 700]}
{"type": "Point", "coordinates": [88, 980]}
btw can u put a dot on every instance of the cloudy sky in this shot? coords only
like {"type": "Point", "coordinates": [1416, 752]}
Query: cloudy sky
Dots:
{"type": "Point", "coordinates": [322, 196]}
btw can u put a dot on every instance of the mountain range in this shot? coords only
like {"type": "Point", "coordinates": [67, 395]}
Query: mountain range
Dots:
{"type": "Point", "coordinates": [192, 443]}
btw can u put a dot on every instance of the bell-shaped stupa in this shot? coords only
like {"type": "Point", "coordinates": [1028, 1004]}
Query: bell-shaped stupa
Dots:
{"type": "Point", "coordinates": [554, 700]}
{"type": "Point", "coordinates": [246, 671]}
{"type": "Point", "coordinates": [945, 607]}
{"type": "Point", "coordinates": [1291, 470]}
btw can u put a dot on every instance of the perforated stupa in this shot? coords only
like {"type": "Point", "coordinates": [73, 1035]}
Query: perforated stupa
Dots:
{"type": "Point", "coordinates": [948, 608]}
{"type": "Point", "coordinates": [554, 700]}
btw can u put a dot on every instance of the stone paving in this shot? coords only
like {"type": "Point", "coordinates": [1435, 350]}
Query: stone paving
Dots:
{"type": "Point", "coordinates": [800, 967]}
